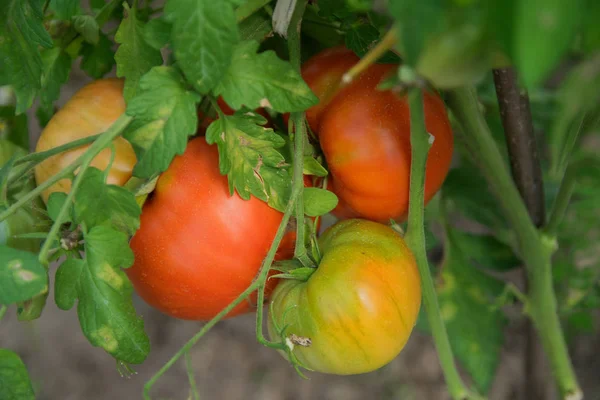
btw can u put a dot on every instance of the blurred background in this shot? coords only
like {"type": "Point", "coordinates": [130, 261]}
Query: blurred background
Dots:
{"type": "Point", "coordinates": [229, 364]}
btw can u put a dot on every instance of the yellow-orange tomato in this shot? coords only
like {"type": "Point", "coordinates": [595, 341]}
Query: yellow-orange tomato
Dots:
{"type": "Point", "coordinates": [92, 110]}
{"type": "Point", "coordinates": [359, 306]}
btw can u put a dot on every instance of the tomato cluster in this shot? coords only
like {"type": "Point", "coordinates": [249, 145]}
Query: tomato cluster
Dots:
{"type": "Point", "coordinates": [199, 247]}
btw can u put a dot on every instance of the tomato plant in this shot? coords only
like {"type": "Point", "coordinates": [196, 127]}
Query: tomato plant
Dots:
{"type": "Point", "coordinates": [195, 171]}
{"type": "Point", "coordinates": [358, 307]}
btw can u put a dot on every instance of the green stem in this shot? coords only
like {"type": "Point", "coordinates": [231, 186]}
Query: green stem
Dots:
{"type": "Point", "coordinates": [3, 311]}
{"type": "Point", "coordinates": [84, 160]}
{"type": "Point", "coordinates": [535, 249]}
{"type": "Point", "coordinates": [191, 379]}
{"type": "Point", "coordinates": [25, 163]}
{"type": "Point", "coordinates": [296, 198]}
{"type": "Point", "coordinates": [249, 8]}
{"type": "Point", "coordinates": [415, 238]}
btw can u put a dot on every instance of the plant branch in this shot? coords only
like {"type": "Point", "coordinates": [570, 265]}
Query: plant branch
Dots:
{"type": "Point", "coordinates": [84, 160]}
{"type": "Point", "coordinates": [249, 8]}
{"type": "Point", "coordinates": [190, 373]}
{"type": "Point", "coordinates": [415, 238]}
{"type": "Point", "coordinates": [520, 139]}
{"type": "Point", "coordinates": [386, 43]}
{"type": "Point", "coordinates": [527, 174]}
{"type": "Point", "coordinates": [535, 249]}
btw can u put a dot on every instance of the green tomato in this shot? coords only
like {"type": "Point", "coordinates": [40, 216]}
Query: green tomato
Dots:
{"type": "Point", "coordinates": [355, 313]}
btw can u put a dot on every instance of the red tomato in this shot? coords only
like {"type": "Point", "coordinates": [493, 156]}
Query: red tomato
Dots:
{"type": "Point", "coordinates": [198, 247]}
{"type": "Point", "coordinates": [365, 137]}
{"type": "Point", "coordinates": [360, 305]}
{"type": "Point", "coordinates": [323, 74]}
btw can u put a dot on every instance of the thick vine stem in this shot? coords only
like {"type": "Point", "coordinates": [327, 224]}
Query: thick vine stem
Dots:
{"type": "Point", "coordinates": [415, 238]}
{"type": "Point", "coordinates": [535, 249]}
{"type": "Point", "coordinates": [527, 174]}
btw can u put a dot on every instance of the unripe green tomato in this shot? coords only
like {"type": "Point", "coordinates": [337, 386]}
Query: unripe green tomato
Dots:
{"type": "Point", "coordinates": [360, 305]}
{"type": "Point", "coordinates": [27, 219]}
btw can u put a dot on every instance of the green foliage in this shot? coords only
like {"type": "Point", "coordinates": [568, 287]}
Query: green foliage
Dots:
{"type": "Point", "coordinates": [14, 379]}
{"type": "Point", "coordinates": [97, 60]}
{"type": "Point", "coordinates": [318, 201]}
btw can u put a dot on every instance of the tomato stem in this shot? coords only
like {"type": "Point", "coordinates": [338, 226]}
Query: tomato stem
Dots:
{"type": "Point", "coordinates": [388, 41]}
{"type": "Point", "coordinates": [84, 161]}
{"type": "Point", "coordinates": [535, 248]}
{"type": "Point", "coordinates": [415, 238]}
{"type": "Point", "coordinates": [190, 373]}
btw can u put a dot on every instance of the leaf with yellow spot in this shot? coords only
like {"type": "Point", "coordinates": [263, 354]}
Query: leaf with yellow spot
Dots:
{"type": "Point", "coordinates": [21, 275]}
{"type": "Point", "coordinates": [165, 116]}
{"type": "Point", "coordinates": [105, 308]}
{"type": "Point", "coordinates": [249, 156]}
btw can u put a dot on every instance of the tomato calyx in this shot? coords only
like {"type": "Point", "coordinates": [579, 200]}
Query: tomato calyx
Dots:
{"type": "Point", "coordinates": [292, 269]}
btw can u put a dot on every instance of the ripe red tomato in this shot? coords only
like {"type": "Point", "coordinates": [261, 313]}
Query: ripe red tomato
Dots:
{"type": "Point", "coordinates": [92, 110]}
{"type": "Point", "coordinates": [323, 74]}
{"type": "Point", "coordinates": [365, 137]}
{"type": "Point", "coordinates": [198, 247]}
{"type": "Point", "coordinates": [359, 306]}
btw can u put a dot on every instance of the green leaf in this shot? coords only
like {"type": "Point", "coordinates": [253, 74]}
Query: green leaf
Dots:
{"type": "Point", "coordinates": [312, 167]}
{"type": "Point", "coordinates": [248, 155]}
{"type": "Point", "coordinates": [105, 308]}
{"type": "Point", "coordinates": [268, 81]}
{"type": "Point", "coordinates": [21, 275]}
{"type": "Point", "coordinates": [487, 251]}
{"type": "Point", "coordinates": [203, 38]}
{"type": "Point", "coordinates": [318, 201]}
{"type": "Point", "coordinates": [256, 27]}
{"type": "Point", "coordinates": [97, 203]}
{"type": "Point", "coordinates": [97, 60]}
{"type": "Point", "coordinates": [475, 328]}
{"type": "Point", "coordinates": [361, 38]}
{"type": "Point", "coordinates": [543, 32]}
{"type": "Point", "coordinates": [165, 116]}
{"type": "Point", "coordinates": [87, 26]}
{"type": "Point", "coordinates": [14, 378]}
{"type": "Point", "coordinates": [16, 128]}
{"type": "Point", "coordinates": [157, 32]}
{"type": "Point", "coordinates": [55, 203]}
{"type": "Point", "coordinates": [65, 9]}
{"type": "Point", "coordinates": [418, 21]}
{"type": "Point", "coordinates": [57, 66]}
{"type": "Point", "coordinates": [66, 286]}
{"type": "Point", "coordinates": [21, 30]}
{"type": "Point", "coordinates": [134, 56]}
{"type": "Point", "coordinates": [591, 28]}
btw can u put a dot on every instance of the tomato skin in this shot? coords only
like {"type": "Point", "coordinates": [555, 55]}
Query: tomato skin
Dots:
{"type": "Point", "coordinates": [360, 305]}
{"type": "Point", "coordinates": [365, 137]}
{"type": "Point", "coordinates": [323, 74]}
{"type": "Point", "coordinates": [92, 110]}
{"type": "Point", "coordinates": [198, 248]}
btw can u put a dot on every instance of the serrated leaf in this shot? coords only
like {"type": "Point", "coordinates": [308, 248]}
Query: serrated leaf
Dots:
{"type": "Point", "coordinates": [97, 203]}
{"type": "Point", "coordinates": [22, 31]}
{"type": "Point", "coordinates": [418, 21]}
{"type": "Point", "coordinates": [248, 155]}
{"type": "Point", "coordinates": [203, 37]}
{"type": "Point", "coordinates": [134, 56]}
{"type": "Point", "coordinates": [474, 327]}
{"type": "Point", "coordinates": [157, 32]}
{"type": "Point", "coordinates": [57, 66]}
{"type": "Point", "coordinates": [318, 201]}
{"type": "Point", "coordinates": [268, 81]}
{"type": "Point", "coordinates": [88, 27]}
{"type": "Point", "coordinates": [105, 308]}
{"type": "Point", "coordinates": [66, 285]}
{"type": "Point", "coordinates": [313, 167]}
{"type": "Point", "coordinates": [21, 275]}
{"type": "Point", "coordinates": [361, 38]}
{"type": "Point", "coordinates": [65, 9]}
{"type": "Point", "coordinates": [14, 378]}
{"type": "Point", "coordinates": [165, 116]}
